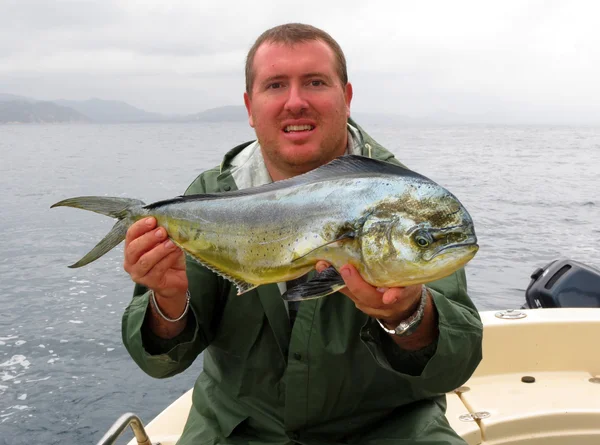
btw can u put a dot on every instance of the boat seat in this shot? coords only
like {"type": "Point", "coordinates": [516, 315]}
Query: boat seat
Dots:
{"type": "Point", "coordinates": [558, 408]}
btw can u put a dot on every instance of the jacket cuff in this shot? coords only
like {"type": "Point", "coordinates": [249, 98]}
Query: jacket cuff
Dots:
{"type": "Point", "coordinates": [390, 355]}
{"type": "Point", "coordinates": [403, 361]}
{"type": "Point", "coordinates": [455, 354]}
{"type": "Point", "coordinates": [155, 345]}
{"type": "Point", "coordinates": [156, 355]}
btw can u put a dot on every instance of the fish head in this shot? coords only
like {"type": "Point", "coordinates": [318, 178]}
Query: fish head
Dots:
{"type": "Point", "coordinates": [417, 240]}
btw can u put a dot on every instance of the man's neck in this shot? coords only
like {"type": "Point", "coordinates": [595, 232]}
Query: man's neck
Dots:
{"type": "Point", "coordinates": [249, 168]}
{"type": "Point", "coordinates": [279, 173]}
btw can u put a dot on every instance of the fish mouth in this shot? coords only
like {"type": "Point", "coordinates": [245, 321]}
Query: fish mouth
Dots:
{"type": "Point", "coordinates": [468, 240]}
{"type": "Point", "coordinates": [470, 243]}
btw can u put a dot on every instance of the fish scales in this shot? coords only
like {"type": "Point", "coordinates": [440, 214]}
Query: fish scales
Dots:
{"type": "Point", "coordinates": [267, 231]}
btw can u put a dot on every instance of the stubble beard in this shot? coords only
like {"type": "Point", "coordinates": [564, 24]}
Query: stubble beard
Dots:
{"type": "Point", "coordinates": [333, 145]}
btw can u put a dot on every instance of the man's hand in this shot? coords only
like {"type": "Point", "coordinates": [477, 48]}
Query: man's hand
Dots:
{"type": "Point", "coordinates": [390, 305]}
{"type": "Point", "coordinates": [152, 260]}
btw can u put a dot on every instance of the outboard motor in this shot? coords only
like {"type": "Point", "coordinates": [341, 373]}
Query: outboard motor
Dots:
{"type": "Point", "coordinates": [563, 283]}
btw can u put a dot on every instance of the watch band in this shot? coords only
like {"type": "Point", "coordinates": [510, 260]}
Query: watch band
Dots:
{"type": "Point", "coordinates": [410, 325]}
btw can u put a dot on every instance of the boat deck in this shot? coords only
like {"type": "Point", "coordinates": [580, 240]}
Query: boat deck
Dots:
{"type": "Point", "coordinates": [539, 381]}
{"type": "Point", "coordinates": [538, 384]}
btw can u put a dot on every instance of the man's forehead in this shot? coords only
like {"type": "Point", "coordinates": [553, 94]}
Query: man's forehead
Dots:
{"type": "Point", "coordinates": [269, 53]}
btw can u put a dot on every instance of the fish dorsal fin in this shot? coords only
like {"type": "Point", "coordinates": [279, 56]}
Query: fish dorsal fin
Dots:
{"type": "Point", "coordinates": [343, 166]}
{"type": "Point", "coordinates": [350, 165]}
{"type": "Point", "coordinates": [242, 286]}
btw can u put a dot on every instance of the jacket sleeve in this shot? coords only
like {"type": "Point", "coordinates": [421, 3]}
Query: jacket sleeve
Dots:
{"type": "Point", "coordinates": [448, 362]}
{"type": "Point", "coordinates": [163, 358]}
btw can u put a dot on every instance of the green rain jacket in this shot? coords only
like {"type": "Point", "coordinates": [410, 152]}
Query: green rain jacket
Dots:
{"type": "Point", "coordinates": [335, 378]}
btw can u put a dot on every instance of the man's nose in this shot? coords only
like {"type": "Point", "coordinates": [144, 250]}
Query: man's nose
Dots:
{"type": "Point", "coordinates": [296, 100]}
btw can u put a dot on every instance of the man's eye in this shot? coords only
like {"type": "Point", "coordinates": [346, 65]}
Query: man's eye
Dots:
{"type": "Point", "coordinates": [274, 86]}
{"type": "Point", "coordinates": [316, 83]}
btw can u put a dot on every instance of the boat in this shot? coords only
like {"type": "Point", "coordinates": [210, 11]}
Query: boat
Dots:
{"type": "Point", "coordinates": [538, 382]}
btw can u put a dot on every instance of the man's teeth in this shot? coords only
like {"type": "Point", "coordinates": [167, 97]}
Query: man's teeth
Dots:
{"type": "Point", "coordinates": [298, 128]}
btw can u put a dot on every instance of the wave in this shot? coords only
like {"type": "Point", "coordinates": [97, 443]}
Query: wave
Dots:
{"type": "Point", "coordinates": [548, 204]}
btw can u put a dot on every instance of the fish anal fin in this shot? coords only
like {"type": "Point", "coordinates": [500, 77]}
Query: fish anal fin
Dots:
{"type": "Point", "coordinates": [242, 286]}
{"type": "Point", "coordinates": [325, 283]}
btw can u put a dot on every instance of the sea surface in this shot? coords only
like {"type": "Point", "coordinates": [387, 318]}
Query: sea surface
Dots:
{"type": "Point", "coordinates": [65, 377]}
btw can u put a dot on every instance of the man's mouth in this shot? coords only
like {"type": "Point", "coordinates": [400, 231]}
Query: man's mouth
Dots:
{"type": "Point", "coordinates": [298, 128]}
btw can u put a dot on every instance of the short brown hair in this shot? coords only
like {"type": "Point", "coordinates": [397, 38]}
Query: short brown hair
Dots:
{"type": "Point", "coordinates": [290, 34]}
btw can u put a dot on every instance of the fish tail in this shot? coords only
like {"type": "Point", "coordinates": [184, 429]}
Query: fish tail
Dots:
{"type": "Point", "coordinates": [121, 208]}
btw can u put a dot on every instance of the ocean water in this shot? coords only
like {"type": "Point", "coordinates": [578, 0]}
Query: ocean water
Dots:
{"type": "Point", "coordinates": [533, 192]}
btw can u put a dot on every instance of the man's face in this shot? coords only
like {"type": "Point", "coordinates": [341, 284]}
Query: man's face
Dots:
{"type": "Point", "coordinates": [298, 107]}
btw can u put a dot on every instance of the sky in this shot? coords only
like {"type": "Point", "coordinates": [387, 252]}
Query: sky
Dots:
{"type": "Point", "coordinates": [527, 60]}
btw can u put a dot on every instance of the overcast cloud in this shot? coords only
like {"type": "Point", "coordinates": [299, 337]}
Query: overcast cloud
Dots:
{"type": "Point", "coordinates": [535, 60]}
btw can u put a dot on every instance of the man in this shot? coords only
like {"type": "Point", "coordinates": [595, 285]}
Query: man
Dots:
{"type": "Point", "coordinates": [334, 370]}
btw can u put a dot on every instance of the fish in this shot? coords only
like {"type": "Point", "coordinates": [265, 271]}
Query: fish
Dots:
{"type": "Point", "coordinates": [397, 227]}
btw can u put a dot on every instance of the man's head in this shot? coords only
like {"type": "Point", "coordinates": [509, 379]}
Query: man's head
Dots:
{"type": "Point", "coordinates": [291, 34]}
{"type": "Point", "coordinates": [298, 98]}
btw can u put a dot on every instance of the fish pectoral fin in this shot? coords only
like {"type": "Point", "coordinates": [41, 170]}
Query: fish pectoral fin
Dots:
{"type": "Point", "coordinates": [345, 235]}
{"type": "Point", "coordinates": [325, 283]}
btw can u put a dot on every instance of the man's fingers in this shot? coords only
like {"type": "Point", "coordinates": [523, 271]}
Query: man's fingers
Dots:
{"type": "Point", "coordinates": [151, 258]}
{"type": "Point", "coordinates": [391, 295]}
{"type": "Point", "coordinates": [138, 228]}
{"type": "Point", "coordinates": [321, 266]}
{"type": "Point", "coordinates": [362, 292]}
{"type": "Point", "coordinates": [143, 244]}
{"type": "Point", "coordinates": [180, 263]}
{"type": "Point", "coordinates": [157, 277]}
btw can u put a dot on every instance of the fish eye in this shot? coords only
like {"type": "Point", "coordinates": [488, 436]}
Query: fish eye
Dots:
{"type": "Point", "coordinates": [423, 239]}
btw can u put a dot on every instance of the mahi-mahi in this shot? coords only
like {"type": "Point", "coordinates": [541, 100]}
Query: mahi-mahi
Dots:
{"type": "Point", "coordinates": [395, 226]}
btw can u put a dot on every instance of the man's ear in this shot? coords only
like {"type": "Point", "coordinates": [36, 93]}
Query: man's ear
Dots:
{"type": "Point", "coordinates": [348, 94]}
{"type": "Point", "coordinates": [248, 104]}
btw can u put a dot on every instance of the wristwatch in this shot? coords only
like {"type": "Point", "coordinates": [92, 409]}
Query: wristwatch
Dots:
{"type": "Point", "coordinates": [410, 325]}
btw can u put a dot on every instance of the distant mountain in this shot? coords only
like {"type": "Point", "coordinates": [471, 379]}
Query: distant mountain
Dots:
{"type": "Point", "coordinates": [37, 112]}
{"type": "Point", "coordinates": [111, 111]}
{"type": "Point", "coordinates": [13, 97]}
{"type": "Point", "coordinates": [235, 113]}
{"type": "Point", "coordinates": [228, 113]}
